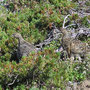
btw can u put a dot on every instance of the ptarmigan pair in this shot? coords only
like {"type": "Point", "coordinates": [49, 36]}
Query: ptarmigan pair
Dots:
{"type": "Point", "coordinates": [74, 47]}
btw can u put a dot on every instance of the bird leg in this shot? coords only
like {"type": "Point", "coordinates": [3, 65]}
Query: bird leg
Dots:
{"type": "Point", "coordinates": [78, 57]}
{"type": "Point", "coordinates": [71, 59]}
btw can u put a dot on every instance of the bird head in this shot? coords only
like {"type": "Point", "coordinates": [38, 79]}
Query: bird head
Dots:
{"type": "Point", "coordinates": [17, 35]}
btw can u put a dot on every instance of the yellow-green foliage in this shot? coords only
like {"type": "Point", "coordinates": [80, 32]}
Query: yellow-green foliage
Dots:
{"type": "Point", "coordinates": [45, 69]}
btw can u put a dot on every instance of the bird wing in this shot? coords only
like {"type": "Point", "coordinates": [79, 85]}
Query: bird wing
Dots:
{"type": "Point", "coordinates": [28, 44]}
{"type": "Point", "coordinates": [78, 46]}
{"type": "Point", "coordinates": [26, 48]}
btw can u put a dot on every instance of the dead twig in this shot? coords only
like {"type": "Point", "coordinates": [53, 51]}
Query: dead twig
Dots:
{"type": "Point", "coordinates": [53, 35]}
{"type": "Point", "coordinates": [13, 81]}
{"type": "Point", "coordinates": [65, 21]}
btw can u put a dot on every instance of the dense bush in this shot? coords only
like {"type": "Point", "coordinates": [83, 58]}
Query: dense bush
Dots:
{"type": "Point", "coordinates": [32, 21]}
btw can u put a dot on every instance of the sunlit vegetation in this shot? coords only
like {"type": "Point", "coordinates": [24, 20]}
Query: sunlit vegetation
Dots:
{"type": "Point", "coordinates": [31, 18]}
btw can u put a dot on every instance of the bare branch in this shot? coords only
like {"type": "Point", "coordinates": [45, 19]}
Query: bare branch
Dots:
{"type": "Point", "coordinates": [13, 81]}
{"type": "Point", "coordinates": [45, 42]}
{"type": "Point", "coordinates": [70, 25]}
{"type": "Point", "coordinates": [53, 35]}
{"type": "Point", "coordinates": [65, 20]}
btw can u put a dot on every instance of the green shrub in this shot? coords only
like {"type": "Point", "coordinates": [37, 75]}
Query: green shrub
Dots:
{"type": "Point", "coordinates": [46, 70]}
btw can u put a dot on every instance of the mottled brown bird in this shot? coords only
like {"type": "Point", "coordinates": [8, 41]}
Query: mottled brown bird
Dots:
{"type": "Point", "coordinates": [66, 39]}
{"type": "Point", "coordinates": [24, 47]}
{"type": "Point", "coordinates": [74, 47]}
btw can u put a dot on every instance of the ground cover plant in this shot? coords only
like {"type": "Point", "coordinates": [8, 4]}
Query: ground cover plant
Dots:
{"type": "Point", "coordinates": [32, 19]}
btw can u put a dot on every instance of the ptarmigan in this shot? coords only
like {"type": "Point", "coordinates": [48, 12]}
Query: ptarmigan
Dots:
{"type": "Point", "coordinates": [74, 47]}
{"type": "Point", "coordinates": [24, 48]}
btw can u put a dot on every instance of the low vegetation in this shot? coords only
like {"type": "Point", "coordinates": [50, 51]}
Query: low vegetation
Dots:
{"type": "Point", "coordinates": [45, 69]}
